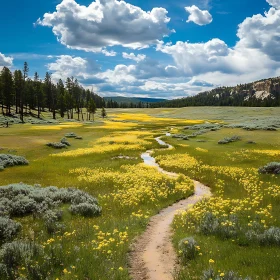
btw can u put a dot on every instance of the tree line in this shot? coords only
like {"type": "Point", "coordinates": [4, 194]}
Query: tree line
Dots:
{"type": "Point", "coordinates": [22, 95]}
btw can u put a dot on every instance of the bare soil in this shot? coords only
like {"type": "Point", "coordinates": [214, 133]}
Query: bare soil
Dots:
{"type": "Point", "coordinates": [153, 256]}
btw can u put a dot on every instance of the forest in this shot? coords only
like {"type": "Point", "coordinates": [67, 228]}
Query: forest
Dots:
{"type": "Point", "coordinates": [21, 95]}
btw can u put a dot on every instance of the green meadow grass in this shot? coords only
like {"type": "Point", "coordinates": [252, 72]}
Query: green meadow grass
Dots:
{"type": "Point", "coordinates": [255, 261]}
{"type": "Point", "coordinates": [74, 252]}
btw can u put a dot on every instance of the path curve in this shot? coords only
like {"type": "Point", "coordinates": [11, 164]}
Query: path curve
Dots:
{"type": "Point", "coordinates": [152, 255]}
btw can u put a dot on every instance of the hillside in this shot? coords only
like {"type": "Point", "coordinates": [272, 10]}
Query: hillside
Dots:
{"type": "Point", "coordinates": [260, 93]}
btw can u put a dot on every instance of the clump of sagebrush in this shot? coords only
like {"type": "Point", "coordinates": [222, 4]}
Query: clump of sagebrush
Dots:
{"type": "Point", "coordinates": [269, 237]}
{"type": "Point", "coordinates": [12, 254]}
{"type": "Point", "coordinates": [64, 141]}
{"type": "Point", "coordinates": [51, 220]}
{"type": "Point", "coordinates": [70, 135]}
{"type": "Point", "coordinates": [8, 228]}
{"type": "Point", "coordinates": [223, 227]}
{"type": "Point", "coordinates": [230, 139]}
{"type": "Point", "coordinates": [180, 136]}
{"type": "Point", "coordinates": [79, 137]}
{"type": "Point", "coordinates": [15, 119]}
{"type": "Point", "coordinates": [20, 199]}
{"type": "Point", "coordinates": [56, 145]}
{"type": "Point", "coordinates": [270, 168]}
{"type": "Point", "coordinates": [210, 274]}
{"type": "Point", "coordinates": [210, 126]}
{"type": "Point", "coordinates": [188, 249]}
{"type": "Point", "coordinates": [11, 160]}
{"type": "Point", "coordinates": [269, 124]}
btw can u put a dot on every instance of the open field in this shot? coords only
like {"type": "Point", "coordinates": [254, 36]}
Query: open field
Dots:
{"type": "Point", "coordinates": [244, 206]}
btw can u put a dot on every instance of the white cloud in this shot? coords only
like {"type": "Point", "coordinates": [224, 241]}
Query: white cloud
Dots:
{"type": "Point", "coordinates": [196, 58]}
{"type": "Point", "coordinates": [200, 17]}
{"type": "Point", "coordinates": [134, 57]}
{"type": "Point", "coordinates": [197, 67]}
{"type": "Point", "coordinates": [106, 23]}
{"type": "Point", "coordinates": [255, 56]}
{"type": "Point", "coordinates": [109, 53]}
{"type": "Point", "coordinates": [120, 75]}
{"type": "Point", "coordinates": [274, 3]}
{"type": "Point", "coordinates": [262, 32]}
{"type": "Point", "coordinates": [146, 78]}
{"type": "Point", "coordinates": [5, 60]}
{"type": "Point", "coordinates": [67, 66]}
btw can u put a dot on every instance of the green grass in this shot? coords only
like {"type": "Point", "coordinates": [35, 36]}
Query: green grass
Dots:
{"type": "Point", "coordinates": [258, 262]}
{"type": "Point", "coordinates": [77, 250]}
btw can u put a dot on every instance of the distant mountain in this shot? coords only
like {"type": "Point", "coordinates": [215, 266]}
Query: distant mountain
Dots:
{"type": "Point", "coordinates": [260, 93]}
{"type": "Point", "coordinates": [134, 100]}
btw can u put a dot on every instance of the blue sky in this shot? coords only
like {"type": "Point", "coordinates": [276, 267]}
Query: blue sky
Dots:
{"type": "Point", "coordinates": [153, 48]}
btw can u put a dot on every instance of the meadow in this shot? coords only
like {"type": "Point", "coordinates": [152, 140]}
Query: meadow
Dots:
{"type": "Point", "coordinates": [235, 230]}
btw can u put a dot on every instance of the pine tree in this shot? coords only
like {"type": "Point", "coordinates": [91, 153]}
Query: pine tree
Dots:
{"type": "Point", "coordinates": [103, 113]}
{"type": "Point", "coordinates": [7, 87]}
{"type": "Point", "coordinates": [91, 108]}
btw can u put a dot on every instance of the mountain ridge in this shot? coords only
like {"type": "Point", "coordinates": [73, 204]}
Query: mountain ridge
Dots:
{"type": "Point", "coordinates": [265, 92]}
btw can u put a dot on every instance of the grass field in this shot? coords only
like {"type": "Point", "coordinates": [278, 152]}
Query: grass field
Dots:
{"type": "Point", "coordinates": [130, 193]}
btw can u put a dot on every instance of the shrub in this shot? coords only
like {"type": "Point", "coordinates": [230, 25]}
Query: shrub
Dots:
{"type": "Point", "coordinates": [70, 135]}
{"type": "Point", "coordinates": [51, 219]}
{"type": "Point", "coordinates": [8, 228]}
{"type": "Point", "coordinates": [222, 227]}
{"type": "Point", "coordinates": [64, 141]}
{"type": "Point", "coordinates": [180, 136]}
{"type": "Point", "coordinates": [270, 236]}
{"type": "Point", "coordinates": [79, 137]}
{"type": "Point", "coordinates": [229, 139]}
{"type": "Point", "coordinates": [85, 209]}
{"type": "Point", "coordinates": [211, 126]}
{"type": "Point", "coordinates": [21, 199]}
{"type": "Point", "coordinates": [188, 249]}
{"type": "Point", "coordinates": [210, 274]}
{"type": "Point", "coordinates": [56, 145]}
{"type": "Point", "coordinates": [11, 160]}
{"type": "Point", "coordinates": [208, 224]}
{"type": "Point", "coordinates": [11, 254]}
{"type": "Point", "coordinates": [270, 168]}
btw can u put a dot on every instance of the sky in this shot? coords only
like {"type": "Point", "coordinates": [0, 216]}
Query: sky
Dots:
{"type": "Point", "coordinates": [153, 48]}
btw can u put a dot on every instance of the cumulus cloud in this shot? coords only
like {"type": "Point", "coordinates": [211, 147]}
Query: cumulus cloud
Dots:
{"type": "Point", "coordinates": [67, 66]}
{"type": "Point", "coordinates": [197, 67]}
{"type": "Point", "coordinates": [255, 56]}
{"type": "Point", "coordinates": [108, 53]}
{"type": "Point", "coordinates": [5, 60]}
{"type": "Point", "coordinates": [200, 17]}
{"type": "Point", "coordinates": [106, 23]}
{"type": "Point", "coordinates": [121, 74]}
{"type": "Point", "coordinates": [262, 32]}
{"type": "Point", "coordinates": [134, 57]}
{"type": "Point", "coordinates": [197, 58]}
{"type": "Point", "coordinates": [274, 3]}
{"type": "Point", "coordinates": [146, 78]}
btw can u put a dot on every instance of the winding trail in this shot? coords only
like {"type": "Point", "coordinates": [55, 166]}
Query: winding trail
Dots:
{"type": "Point", "coordinates": [153, 256]}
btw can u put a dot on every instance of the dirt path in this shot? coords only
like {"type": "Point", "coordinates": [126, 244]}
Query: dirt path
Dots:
{"type": "Point", "coordinates": [153, 256]}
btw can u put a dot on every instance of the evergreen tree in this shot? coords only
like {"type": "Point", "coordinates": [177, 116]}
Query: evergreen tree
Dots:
{"type": "Point", "coordinates": [103, 113]}
{"type": "Point", "coordinates": [7, 87]}
{"type": "Point", "coordinates": [19, 87]}
{"type": "Point", "coordinates": [91, 108]}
